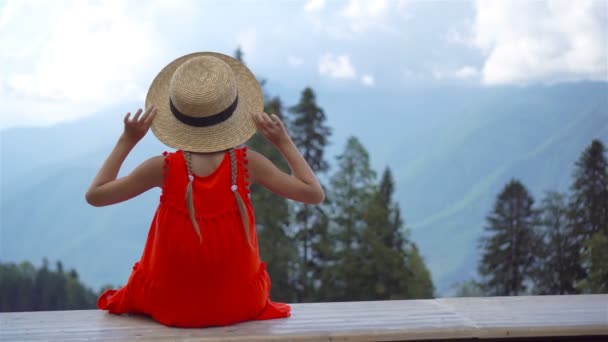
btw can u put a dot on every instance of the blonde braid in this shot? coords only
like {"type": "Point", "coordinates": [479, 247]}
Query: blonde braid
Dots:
{"type": "Point", "coordinates": [189, 197]}
{"type": "Point", "coordinates": [239, 199]}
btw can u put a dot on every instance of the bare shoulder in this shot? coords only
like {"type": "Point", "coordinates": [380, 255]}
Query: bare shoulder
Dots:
{"type": "Point", "coordinates": [155, 162]}
{"type": "Point", "coordinates": [258, 165]}
{"type": "Point", "coordinates": [151, 170]}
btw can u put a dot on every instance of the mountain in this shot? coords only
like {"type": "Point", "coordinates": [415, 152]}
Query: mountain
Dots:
{"type": "Point", "coordinates": [451, 150]}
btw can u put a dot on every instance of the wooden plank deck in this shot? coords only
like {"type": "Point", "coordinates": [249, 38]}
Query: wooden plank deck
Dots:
{"type": "Point", "coordinates": [437, 319]}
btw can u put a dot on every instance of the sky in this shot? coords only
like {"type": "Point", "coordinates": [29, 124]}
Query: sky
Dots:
{"type": "Point", "coordinates": [65, 60]}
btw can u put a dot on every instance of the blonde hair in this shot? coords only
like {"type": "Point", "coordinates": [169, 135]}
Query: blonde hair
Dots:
{"type": "Point", "coordinates": [233, 188]}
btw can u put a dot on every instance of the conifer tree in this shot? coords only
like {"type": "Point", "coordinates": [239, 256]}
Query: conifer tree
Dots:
{"type": "Point", "coordinates": [589, 216]}
{"type": "Point", "coordinates": [595, 257]}
{"type": "Point", "coordinates": [589, 200]}
{"type": "Point", "coordinates": [238, 54]}
{"type": "Point", "coordinates": [392, 266]}
{"type": "Point", "coordinates": [25, 288]}
{"type": "Point", "coordinates": [385, 270]}
{"type": "Point", "coordinates": [509, 242]}
{"type": "Point", "coordinates": [557, 266]}
{"type": "Point", "coordinates": [421, 283]}
{"type": "Point", "coordinates": [310, 134]}
{"type": "Point", "coordinates": [468, 288]}
{"type": "Point", "coordinates": [351, 190]}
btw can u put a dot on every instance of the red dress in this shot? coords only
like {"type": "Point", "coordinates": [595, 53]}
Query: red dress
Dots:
{"type": "Point", "coordinates": [182, 282]}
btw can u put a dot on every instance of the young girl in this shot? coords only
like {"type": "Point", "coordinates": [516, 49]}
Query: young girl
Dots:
{"type": "Point", "coordinates": [200, 265]}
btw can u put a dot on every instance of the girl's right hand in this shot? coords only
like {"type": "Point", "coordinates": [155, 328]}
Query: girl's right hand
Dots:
{"type": "Point", "coordinates": [271, 127]}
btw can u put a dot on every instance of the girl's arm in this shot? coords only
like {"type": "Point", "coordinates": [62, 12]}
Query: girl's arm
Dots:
{"type": "Point", "coordinates": [303, 185]}
{"type": "Point", "coordinates": [105, 188]}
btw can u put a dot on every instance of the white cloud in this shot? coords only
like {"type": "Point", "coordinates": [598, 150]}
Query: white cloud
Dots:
{"type": "Point", "coordinates": [360, 9]}
{"type": "Point", "coordinates": [362, 16]}
{"type": "Point", "coordinates": [541, 41]}
{"type": "Point", "coordinates": [314, 5]}
{"type": "Point", "coordinates": [64, 60]}
{"type": "Point", "coordinates": [368, 80]}
{"type": "Point", "coordinates": [337, 66]}
{"type": "Point", "coordinates": [294, 61]}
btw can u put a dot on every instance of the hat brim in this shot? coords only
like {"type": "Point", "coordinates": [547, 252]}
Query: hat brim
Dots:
{"type": "Point", "coordinates": [235, 131]}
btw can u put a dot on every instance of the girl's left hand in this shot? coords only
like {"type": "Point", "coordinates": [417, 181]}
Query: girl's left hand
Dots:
{"type": "Point", "coordinates": [137, 127]}
{"type": "Point", "coordinates": [271, 127]}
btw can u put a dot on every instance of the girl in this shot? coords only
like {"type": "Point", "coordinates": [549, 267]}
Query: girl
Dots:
{"type": "Point", "coordinates": [200, 265]}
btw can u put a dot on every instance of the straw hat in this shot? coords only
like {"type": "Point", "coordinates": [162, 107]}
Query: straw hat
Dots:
{"type": "Point", "coordinates": [204, 103]}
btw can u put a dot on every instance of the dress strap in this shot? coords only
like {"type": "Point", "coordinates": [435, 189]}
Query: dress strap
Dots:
{"type": "Point", "coordinates": [234, 169]}
{"type": "Point", "coordinates": [240, 172]}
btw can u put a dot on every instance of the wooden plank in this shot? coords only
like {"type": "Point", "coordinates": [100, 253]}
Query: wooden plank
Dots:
{"type": "Point", "coordinates": [527, 316]}
{"type": "Point", "coordinates": [449, 318]}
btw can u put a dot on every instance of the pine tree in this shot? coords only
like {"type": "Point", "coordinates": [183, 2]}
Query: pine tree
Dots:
{"type": "Point", "coordinates": [309, 130]}
{"type": "Point", "coordinates": [589, 215]}
{"type": "Point", "coordinates": [310, 134]}
{"type": "Point", "coordinates": [595, 257]}
{"type": "Point", "coordinates": [557, 266]}
{"type": "Point", "coordinates": [392, 268]}
{"type": "Point", "coordinates": [394, 237]}
{"type": "Point", "coordinates": [321, 248]}
{"type": "Point", "coordinates": [589, 200]}
{"type": "Point", "coordinates": [509, 243]}
{"type": "Point", "coordinates": [351, 190]}
{"type": "Point", "coordinates": [238, 54]}
{"type": "Point", "coordinates": [469, 288]}
{"type": "Point", "coordinates": [58, 300]}
{"type": "Point", "coordinates": [421, 282]}
{"type": "Point", "coordinates": [43, 287]}
{"type": "Point", "coordinates": [25, 288]}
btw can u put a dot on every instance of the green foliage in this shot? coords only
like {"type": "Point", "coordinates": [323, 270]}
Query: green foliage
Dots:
{"type": "Point", "coordinates": [352, 189]}
{"type": "Point", "coordinates": [370, 258]}
{"type": "Point", "coordinates": [351, 192]}
{"type": "Point", "coordinates": [589, 217]}
{"type": "Point", "coordinates": [392, 267]}
{"type": "Point", "coordinates": [509, 243]}
{"type": "Point", "coordinates": [309, 130]}
{"type": "Point", "coordinates": [238, 54]}
{"type": "Point", "coordinates": [25, 288]}
{"type": "Point", "coordinates": [469, 288]}
{"type": "Point", "coordinates": [590, 192]}
{"type": "Point", "coordinates": [310, 134]}
{"type": "Point", "coordinates": [421, 283]}
{"type": "Point", "coordinates": [557, 266]}
{"type": "Point", "coordinates": [596, 260]}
